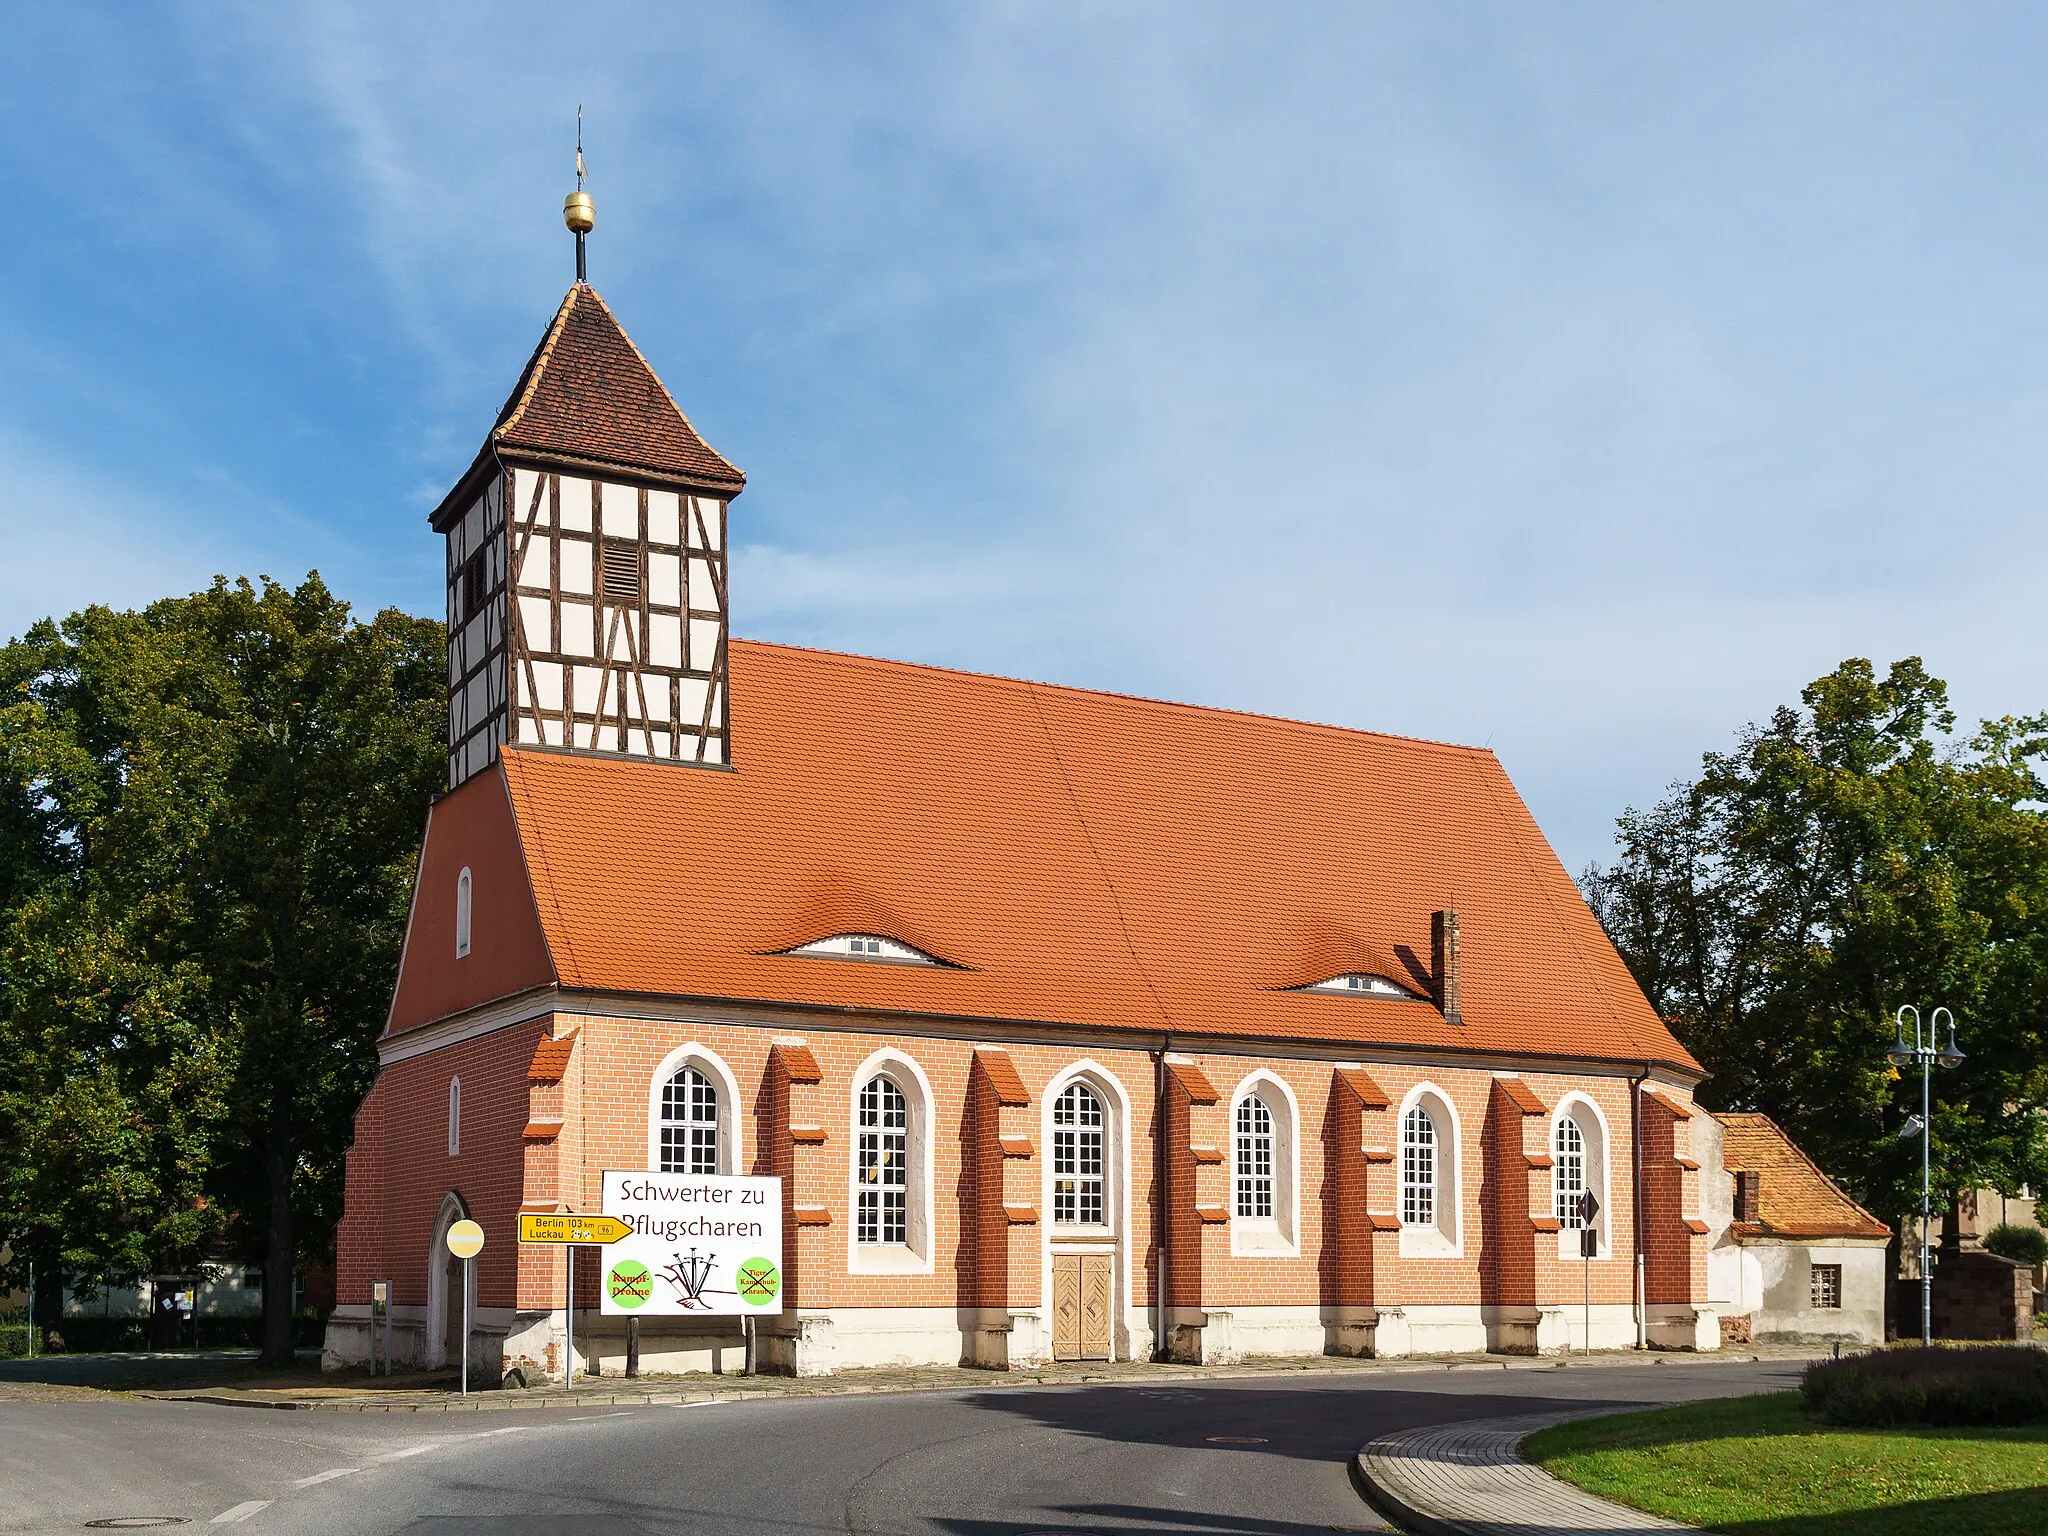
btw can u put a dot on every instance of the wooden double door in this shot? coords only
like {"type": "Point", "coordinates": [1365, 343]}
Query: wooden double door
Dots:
{"type": "Point", "coordinates": [1083, 1305]}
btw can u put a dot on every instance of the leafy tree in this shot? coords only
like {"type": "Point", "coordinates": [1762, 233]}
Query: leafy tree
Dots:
{"type": "Point", "coordinates": [1838, 862]}
{"type": "Point", "coordinates": [213, 809]}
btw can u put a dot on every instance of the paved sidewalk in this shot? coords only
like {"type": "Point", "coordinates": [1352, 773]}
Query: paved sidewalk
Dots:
{"type": "Point", "coordinates": [357, 1394]}
{"type": "Point", "coordinates": [1468, 1480]}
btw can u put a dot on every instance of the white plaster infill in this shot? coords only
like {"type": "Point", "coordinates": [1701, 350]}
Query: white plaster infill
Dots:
{"type": "Point", "coordinates": [1469, 1480]}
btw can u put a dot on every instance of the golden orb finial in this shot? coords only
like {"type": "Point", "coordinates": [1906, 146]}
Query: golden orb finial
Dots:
{"type": "Point", "coordinates": [579, 212]}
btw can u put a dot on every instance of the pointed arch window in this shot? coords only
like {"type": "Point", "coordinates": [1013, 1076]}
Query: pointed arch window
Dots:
{"type": "Point", "coordinates": [455, 1117]}
{"type": "Point", "coordinates": [689, 1123]}
{"type": "Point", "coordinates": [884, 1171]}
{"type": "Point", "coordinates": [462, 911]}
{"type": "Point", "coordinates": [1079, 1158]}
{"type": "Point", "coordinates": [1418, 1168]}
{"type": "Point", "coordinates": [1254, 1159]}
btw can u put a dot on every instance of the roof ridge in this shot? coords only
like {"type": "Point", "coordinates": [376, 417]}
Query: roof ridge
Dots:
{"type": "Point", "coordinates": [1319, 727]}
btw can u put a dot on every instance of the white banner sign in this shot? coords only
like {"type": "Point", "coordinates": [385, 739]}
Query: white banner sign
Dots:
{"type": "Point", "coordinates": [703, 1245]}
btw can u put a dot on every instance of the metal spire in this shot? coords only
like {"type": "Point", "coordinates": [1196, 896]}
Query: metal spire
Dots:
{"type": "Point", "coordinates": [578, 212]}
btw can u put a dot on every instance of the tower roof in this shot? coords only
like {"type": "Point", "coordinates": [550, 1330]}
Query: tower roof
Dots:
{"type": "Point", "coordinates": [587, 399]}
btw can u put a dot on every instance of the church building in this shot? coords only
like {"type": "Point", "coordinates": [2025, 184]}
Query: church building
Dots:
{"type": "Point", "coordinates": [1076, 1025]}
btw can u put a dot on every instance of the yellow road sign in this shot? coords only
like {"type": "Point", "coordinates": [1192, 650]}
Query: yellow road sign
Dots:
{"type": "Point", "coordinates": [536, 1227]}
{"type": "Point", "coordinates": [465, 1239]}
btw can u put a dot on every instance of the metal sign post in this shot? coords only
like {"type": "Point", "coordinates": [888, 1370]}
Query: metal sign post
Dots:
{"type": "Point", "coordinates": [1589, 1245]}
{"type": "Point", "coordinates": [466, 1241]}
{"type": "Point", "coordinates": [571, 1230]}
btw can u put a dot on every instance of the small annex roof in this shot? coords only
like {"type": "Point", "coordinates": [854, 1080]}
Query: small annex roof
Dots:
{"type": "Point", "coordinates": [1794, 1198]}
{"type": "Point", "coordinates": [1078, 858]}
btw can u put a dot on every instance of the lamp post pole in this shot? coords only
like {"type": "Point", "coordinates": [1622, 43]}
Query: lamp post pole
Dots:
{"type": "Point", "coordinates": [1925, 1050]}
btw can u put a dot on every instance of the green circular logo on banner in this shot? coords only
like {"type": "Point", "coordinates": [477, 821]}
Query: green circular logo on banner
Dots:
{"type": "Point", "coordinates": [757, 1281]}
{"type": "Point", "coordinates": [630, 1283]}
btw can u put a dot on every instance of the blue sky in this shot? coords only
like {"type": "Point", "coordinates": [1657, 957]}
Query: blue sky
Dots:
{"type": "Point", "coordinates": [1575, 379]}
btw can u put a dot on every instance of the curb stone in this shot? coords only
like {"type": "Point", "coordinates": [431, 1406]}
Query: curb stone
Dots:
{"type": "Point", "coordinates": [615, 1393]}
{"type": "Point", "coordinates": [1469, 1479]}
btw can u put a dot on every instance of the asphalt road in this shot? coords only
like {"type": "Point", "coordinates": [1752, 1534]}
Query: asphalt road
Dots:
{"type": "Point", "coordinates": [1251, 1457]}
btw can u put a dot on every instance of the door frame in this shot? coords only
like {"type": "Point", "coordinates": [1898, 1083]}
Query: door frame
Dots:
{"type": "Point", "coordinates": [1115, 1240]}
{"type": "Point", "coordinates": [438, 1259]}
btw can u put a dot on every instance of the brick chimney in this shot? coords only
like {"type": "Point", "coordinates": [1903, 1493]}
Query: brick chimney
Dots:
{"type": "Point", "coordinates": [1444, 942]}
{"type": "Point", "coordinates": [1747, 1188]}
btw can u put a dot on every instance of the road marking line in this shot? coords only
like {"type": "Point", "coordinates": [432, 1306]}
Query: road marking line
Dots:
{"type": "Point", "coordinates": [327, 1476]}
{"type": "Point", "coordinates": [411, 1450]}
{"type": "Point", "coordinates": [241, 1511]}
{"type": "Point", "coordinates": [584, 1418]}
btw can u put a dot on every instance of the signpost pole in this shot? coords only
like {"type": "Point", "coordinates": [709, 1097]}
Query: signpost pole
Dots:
{"type": "Point", "coordinates": [31, 1309]}
{"type": "Point", "coordinates": [569, 1316]}
{"type": "Point", "coordinates": [465, 1242]}
{"type": "Point", "coordinates": [466, 1288]}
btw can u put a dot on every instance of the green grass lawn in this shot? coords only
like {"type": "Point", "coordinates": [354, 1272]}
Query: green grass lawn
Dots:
{"type": "Point", "coordinates": [1758, 1466]}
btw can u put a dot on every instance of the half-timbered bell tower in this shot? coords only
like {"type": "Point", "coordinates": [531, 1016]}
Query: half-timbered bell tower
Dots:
{"type": "Point", "coordinates": [587, 559]}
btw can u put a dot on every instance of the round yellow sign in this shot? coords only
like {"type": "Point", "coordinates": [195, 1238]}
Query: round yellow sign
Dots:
{"type": "Point", "coordinates": [465, 1239]}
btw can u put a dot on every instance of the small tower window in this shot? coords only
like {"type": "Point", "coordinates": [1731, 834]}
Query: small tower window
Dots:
{"type": "Point", "coordinates": [462, 910]}
{"type": "Point", "coordinates": [454, 1117]}
{"type": "Point", "coordinates": [475, 584]}
{"type": "Point", "coordinates": [621, 573]}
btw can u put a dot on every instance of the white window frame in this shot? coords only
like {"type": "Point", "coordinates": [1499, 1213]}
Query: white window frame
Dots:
{"type": "Point", "coordinates": [1592, 1124]}
{"type": "Point", "coordinates": [465, 907]}
{"type": "Point", "coordinates": [1277, 1234]}
{"type": "Point", "coordinates": [1114, 1238]}
{"type": "Point", "coordinates": [1443, 1236]}
{"type": "Point", "coordinates": [455, 1117]}
{"type": "Point", "coordinates": [712, 1065]}
{"type": "Point", "coordinates": [914, 1255]}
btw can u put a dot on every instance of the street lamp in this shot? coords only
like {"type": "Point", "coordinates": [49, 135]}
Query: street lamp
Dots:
{"type": "Point", "coordinates": [1927, 1053]}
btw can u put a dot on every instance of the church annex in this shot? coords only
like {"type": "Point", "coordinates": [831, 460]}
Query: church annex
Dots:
{"type": "Point", "coordinates": [1076, 1025]}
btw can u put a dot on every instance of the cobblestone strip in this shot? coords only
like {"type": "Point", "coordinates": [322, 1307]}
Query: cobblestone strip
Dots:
{"type": "Point", "coordinates": [1468, 1480]}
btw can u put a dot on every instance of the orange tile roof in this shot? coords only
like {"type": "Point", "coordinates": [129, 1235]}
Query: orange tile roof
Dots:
{"type": "Point", "coordinates": [551, 1058]}
{"type": "Point", "coordinates": [1794, 1198]}
{"type": "Point", "coordinates": [1077, 857]}
{"type": "Point", "coordinates": [1360, 1082]}
{"type": "Point", "coordinates": [1003, 1076]}
{"type": "Point", "coordinates": [1194, 1082]}
{"type": "Point", "coordinates": [1521, 1095]}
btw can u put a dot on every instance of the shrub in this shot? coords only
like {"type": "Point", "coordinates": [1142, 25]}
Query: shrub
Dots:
{"type": "Point", "coordinates": [1976, 1384]}
{"type": "Point", "coordinates": [2025, 1245]}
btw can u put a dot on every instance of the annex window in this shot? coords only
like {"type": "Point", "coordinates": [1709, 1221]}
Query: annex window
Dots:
{"type": "Point", "coordinates": [884, 1170]}
{"type": "Point", "coordinates": [1568, 1173]}
{"type": "Point", "coordinates": [1254, 1159]}
{"type": "Point", "coordinates": [621, 572]}
{"type": "Point", "coordinates": [1418, 1168]}
{"type": "Point", "coordinates": [1079, 1158]}
{"type": "Point", "coordinates": [1827, 1287]}
{"type": "Point", "coordinates": [689, 1123]}
{"type": "Point", "coordinates": [454, 1117]}
{"type": "Point", "coordinates": [463, 908]}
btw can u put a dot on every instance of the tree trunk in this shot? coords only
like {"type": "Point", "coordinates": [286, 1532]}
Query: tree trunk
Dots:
{"type": "Point", "coordinates": [280, 1251]}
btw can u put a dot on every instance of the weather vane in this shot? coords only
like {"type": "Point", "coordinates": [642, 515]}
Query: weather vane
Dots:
{"type": "Point", "coordinates": [578, 211]}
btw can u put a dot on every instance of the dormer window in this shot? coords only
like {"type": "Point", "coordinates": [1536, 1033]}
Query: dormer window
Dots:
{"type": "Point", "coordinates": [865, 946]}
{"type": "Point", "coordinates": [1362, 984]}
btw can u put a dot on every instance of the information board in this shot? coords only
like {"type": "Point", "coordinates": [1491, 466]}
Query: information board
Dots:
{"type": "Point", "coordinates": [703, 1245]}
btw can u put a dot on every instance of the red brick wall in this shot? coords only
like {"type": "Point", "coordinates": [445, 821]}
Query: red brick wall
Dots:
{"type": "Point", "coordinates": [399, 1172]}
